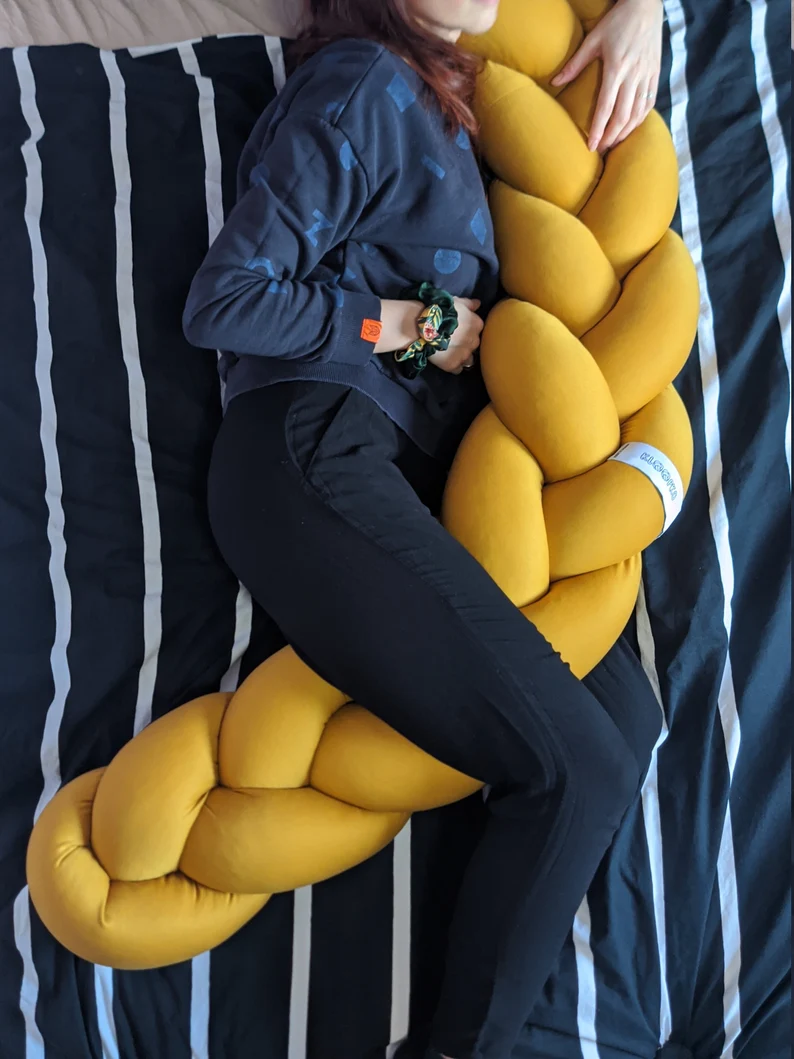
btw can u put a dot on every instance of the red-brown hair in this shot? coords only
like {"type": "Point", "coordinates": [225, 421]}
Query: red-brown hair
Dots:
{"type": "Point", "coordinates": [450, 74]}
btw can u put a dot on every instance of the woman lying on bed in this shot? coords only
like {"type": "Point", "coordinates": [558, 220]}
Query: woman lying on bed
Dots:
{"type": "Point", "coordinates": [347, 291]}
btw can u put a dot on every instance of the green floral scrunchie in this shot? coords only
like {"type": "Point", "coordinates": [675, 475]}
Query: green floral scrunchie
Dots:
{"type": "Point", "coordinates": [437, 324]}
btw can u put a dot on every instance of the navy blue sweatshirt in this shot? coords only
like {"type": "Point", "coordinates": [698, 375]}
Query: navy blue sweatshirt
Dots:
{"type": "Point", "coordinates": [351, 189]}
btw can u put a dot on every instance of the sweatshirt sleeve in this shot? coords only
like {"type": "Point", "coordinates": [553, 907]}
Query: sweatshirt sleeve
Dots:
{"type": "Point", "coordinates": [255, 292]}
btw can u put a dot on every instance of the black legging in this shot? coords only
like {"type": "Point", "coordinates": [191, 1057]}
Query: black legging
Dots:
{"type": "Point", "coordinates": [314, 504]}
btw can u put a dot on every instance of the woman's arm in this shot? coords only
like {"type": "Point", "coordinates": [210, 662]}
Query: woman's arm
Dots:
{"type": "Point", "coordinates": [629, 41]}
{"type": "Point", "coordinates": [254, 293]}
{"type": "Point", "coordinates": [399, 331]}
{"type": "Point", "coordinates": [257, 292]}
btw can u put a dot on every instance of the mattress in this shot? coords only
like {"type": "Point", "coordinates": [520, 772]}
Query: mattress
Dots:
{"type": "Point", "coordinates": [116, 169]}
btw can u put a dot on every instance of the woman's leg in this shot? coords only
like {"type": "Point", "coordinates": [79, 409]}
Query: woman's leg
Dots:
{"type": "Point", "coordinates": [376, 596]}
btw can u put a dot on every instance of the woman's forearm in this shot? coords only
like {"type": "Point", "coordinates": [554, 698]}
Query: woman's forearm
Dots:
{"type": "Point", "coordinates": [399, 325]}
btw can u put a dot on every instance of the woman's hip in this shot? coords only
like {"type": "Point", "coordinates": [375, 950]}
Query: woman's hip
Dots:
{"type": "Point", "coordinates": [333, 542]}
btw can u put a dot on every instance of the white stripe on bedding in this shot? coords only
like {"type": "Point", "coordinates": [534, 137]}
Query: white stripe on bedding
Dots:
{"type": "Point", "coordinates": [718, 515]}
{"type": "Point", "coordinates": [401, 941]}
{"type": "Point", "coordinates": [144, 471]}
{"type": "Point", "coordinates": [53, 495]}
{"type": "Point", "coordinates": [301, 970]}
{"type": "Point", "coordinates": [209, 135]}
{"type": "Point", "coordinates": [275, 53]}
{"type": "Point", "coordinates": [142, 50]}
{"type": "Point", "coordinates": [781, 208]}
{"type": "Point", "coordinates": [29, 989]}
{"type": "Point", "coordinates": [586, 1001]}
{"type": "Point", "coordinates": [106, 1019]}
{"type": "Point", "coordinates": [200, 969]}
{"type": "Point", "coordinates": [652, 815]}
{"type": "Point", "coordinates": [61, 592]}
{"type": "Point", "coordinates": [139, 422]}
{"type": "Point", "coordinates": [243, 620]}
{"type": "Point", "coordinates": [201, 966]}
{"type": "Point", "coordinates": [213, 188]}
{"type": "Point", "coordinates": [731, 933]}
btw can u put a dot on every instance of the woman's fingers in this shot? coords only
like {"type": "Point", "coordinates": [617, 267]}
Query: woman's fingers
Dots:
{"type": "Point", "coordinates": [455, 359]}
{"type": "Point", "coordinates": [629, 41]}
{"type": "Point", "coordinates": [653, 91]}
{"type": "Point", "coordinates": [639, 112]}
{"type": "Point", "coordinates": [461, 353]}
{"type": "Point", "coordinates": [467, 365]}
{"type": "Point", "coordinates": [587, 53]}
{"type": "Point", "coordinates": [607, 97]}
{"type": "Point", "coordinates": [643, 105]}
{"type": "Point", "coordinates": [621, 115]}
{"type": "Point", "coordinates": [645, 100]}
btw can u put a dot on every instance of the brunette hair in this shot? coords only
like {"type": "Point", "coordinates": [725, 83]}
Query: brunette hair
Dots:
{"type": "Point", "coordinates": [450, 74]}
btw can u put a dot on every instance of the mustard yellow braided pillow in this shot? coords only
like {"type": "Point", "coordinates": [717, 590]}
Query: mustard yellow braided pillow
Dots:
{"type": "Point", "coordinates": [182, 838]}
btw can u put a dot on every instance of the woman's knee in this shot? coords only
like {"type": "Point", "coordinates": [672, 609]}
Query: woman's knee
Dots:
{"type": "Point", "coordinates": [604, 770]}
{"type": "Point", "coordinates": [624, 693]}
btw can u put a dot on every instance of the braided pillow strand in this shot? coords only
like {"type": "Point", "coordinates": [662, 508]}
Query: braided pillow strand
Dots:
{"type": "Point", "coordinates": [230, 798]}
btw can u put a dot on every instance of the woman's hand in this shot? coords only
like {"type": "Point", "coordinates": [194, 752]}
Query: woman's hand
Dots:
{"type": "Point", "coordinates": [399, 319]}
{"type": "Point", "coordinates": [465, 341]}
{"type": "Point", "coordinates": [629, 41]}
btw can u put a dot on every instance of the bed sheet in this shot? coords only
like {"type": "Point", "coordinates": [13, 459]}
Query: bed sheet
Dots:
{"type": "Point", "coordinates": [139, 23]}
{"type": "Point", "coordinates": [114, 605]}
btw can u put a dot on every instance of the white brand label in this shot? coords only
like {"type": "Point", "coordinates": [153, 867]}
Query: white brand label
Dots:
{"type": "Point", "coordinates": [660, 471]}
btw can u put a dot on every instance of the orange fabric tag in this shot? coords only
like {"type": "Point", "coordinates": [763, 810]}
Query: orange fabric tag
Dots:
{"type": "Point", "coordinates": [371, 331]}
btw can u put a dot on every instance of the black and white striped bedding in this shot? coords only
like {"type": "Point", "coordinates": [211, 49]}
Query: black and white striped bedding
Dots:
{"type": "Point", "coordinates": [115, 168]}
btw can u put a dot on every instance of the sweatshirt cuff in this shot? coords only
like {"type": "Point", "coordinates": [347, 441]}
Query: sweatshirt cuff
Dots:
{"type": "Point", "coordinates": [358, 327]}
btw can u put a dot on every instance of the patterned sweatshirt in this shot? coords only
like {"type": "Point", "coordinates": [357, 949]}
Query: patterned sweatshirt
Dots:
{"type": "Point", "coordinates": [351, 189]}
